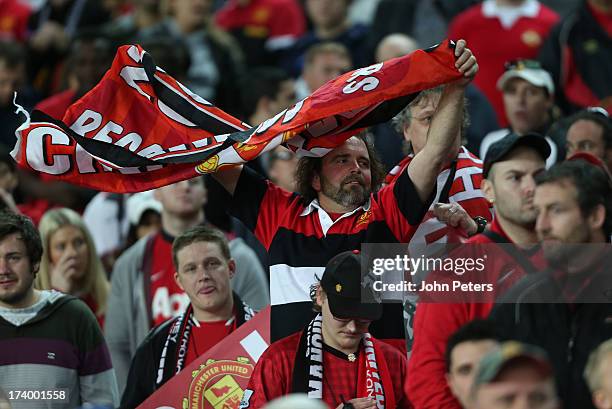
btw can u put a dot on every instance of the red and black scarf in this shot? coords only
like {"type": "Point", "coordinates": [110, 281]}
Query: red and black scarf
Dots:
{"type": "Point", "coordinates": [140, 129]}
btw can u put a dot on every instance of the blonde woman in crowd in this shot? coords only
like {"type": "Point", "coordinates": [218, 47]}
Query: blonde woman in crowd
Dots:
{"type": "Point", "coordinates": [69, 263]}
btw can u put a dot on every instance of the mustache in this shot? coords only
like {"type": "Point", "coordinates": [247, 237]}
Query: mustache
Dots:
{"type": "Point", "coordinates": [354, 178]}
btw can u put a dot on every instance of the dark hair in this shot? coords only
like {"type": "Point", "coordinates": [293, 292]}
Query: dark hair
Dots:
{"type": "Point", "coordinates": [170, 54]}
{"type": "Point", "coordinates": [313, 294]}
{"type": "Point", "coordinates": [476, 330]}
{"type": "Point", "coordinates": [11, 223]}
{"type": "Point", "coordinates": [12, 54]}
{"type": "Point", "coordinates": [260, 82]}
{"type": "Point", "coordinates": [197, 234]}
{"type": "Point", "coordinates": [308, 167]}
{"type": "Point", "coordinates": [597, 117]}
{"type": "Point", "coordinates": [592, 184]}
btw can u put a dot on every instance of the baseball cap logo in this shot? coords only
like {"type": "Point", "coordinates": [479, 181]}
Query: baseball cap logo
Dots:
{"type": "Point", "coordinates": [338, 288]}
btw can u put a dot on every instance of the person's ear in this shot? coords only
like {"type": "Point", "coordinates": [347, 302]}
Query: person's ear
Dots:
{"type": "Point", "coordinates": [231, 264]}
{"type": "Point", "coordinates": [319, 296]}
{"type": "Point", "coordinates": [35, 268]}
{"type": "Point", "coordinates": [177, 279]}
{"type": "Point", "coordinates": [487, 189]}
{"type": "Point", "coordinates": [597, 217]}
{"type": "Point", "coordinates": [316, 182]}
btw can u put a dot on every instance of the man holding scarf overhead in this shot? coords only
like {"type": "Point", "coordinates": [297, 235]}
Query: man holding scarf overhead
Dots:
{"type": "Point", "coordinates": [334, 358]}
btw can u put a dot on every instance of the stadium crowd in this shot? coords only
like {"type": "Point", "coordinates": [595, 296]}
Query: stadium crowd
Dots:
{"type": "Point", "coordinates": [108, 296]}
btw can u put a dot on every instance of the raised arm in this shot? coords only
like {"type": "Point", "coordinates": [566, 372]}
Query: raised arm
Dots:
{"type": "Point", "coordinates": [228, 178]}
{"type": "Point", "coordinates": [445, 126]}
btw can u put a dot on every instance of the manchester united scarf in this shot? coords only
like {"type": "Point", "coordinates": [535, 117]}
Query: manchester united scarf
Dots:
{"type": "Point", "coordinates": [140, 129]}
{"type": "Point", "coordinates": [373, 378]}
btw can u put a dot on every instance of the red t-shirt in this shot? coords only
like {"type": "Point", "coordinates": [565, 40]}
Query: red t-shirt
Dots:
{"type": "Point", "coordinates": [167, 298]}
{"type": "Point", "coordinates": [13, 19]}
{"type": "Point", "coordinates": [499, 45]}
{"type": "Point", "coordinates": [206, 336]}
{"type": "Point", "coordinates": [263, 18]}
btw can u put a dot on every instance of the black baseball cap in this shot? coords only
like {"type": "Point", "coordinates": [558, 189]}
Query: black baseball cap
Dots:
{"type": "Point", "coordinates": [341, 282]}
{"type": "Point", "coordinates": [500, 149]}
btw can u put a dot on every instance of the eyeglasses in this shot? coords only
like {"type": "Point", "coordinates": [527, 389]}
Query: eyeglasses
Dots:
{"type": "Point", "coordinates": [522, 65]}
{"type": "Point", "coordinates": [281, 155]}
{"type": "Point", "coordinates": [358, 321]}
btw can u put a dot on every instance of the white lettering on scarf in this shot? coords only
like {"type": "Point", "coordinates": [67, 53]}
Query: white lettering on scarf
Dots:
{"type": "Point", "coordinates": [373, 383]}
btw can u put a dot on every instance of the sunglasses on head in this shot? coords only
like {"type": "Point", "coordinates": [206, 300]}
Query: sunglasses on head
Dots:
{"type": "Point", "coordinates": [522, 64]}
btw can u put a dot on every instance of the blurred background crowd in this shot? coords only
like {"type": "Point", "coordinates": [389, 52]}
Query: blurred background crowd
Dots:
{"type": "Point", "coordinates": [544, 67]}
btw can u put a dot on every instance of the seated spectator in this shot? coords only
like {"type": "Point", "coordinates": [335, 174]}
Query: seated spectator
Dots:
{"type": "Point", "coordinates": [135, 26]}
{"type": "Point", "coordinates": [528, 94]}
{"type": "Point", "coordinates": [590, 131]}
{"type": "Point", "coordinates": [598, 375]}
{"type": "Point", "coordinates": [282, 165]}
{"type": "Point", "coordinates": [322, 63]}
{"type": "Point", "coordinates": [52, 29]}
{"type": "Point", "coordinates": [14, 15]}
{"type": "Point", "coordinates": [334, 358]}
{"type": "Point", "coordinates": [514, 29]}
{"type": "Point", "coordinates": [514, 375]}
{"type": "Point", "coordinates": [262, 28]}
{"type": "Point", "coordinates": [146, 268]}
{"type": "Point", "coordinates": [203, 268]}
{"type": "Point", "coordinates": [69, 263]}
{"type": "Point", "coordinates": [48, 340]}
{"type": "Point", "coordinates": [13, 79]}
{"type": "Point", "coordinates": [89, 58]}
{"type": "Point", "coordinates": [464, 350]}
{"type": "Point", "coordinates": [144, 215]}
{"type": "Point", "coordinates": [216, 60]}
{"type": "Point", "coordinates": [574, 223]}
{"type": "Point", "coordinates": [329, 24]}
{"type": "Point", "coordinates": [106, 218]}
{"type": "Point", "coordinates": [8, 181]}
{"type": "Point", "coordinates": [266, 92]}
{"type": "Point", "coordinates": [578, 54]}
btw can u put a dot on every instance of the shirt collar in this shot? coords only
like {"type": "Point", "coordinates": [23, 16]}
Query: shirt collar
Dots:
{"type": "Point", "coordinates": [316, 205]}
{"type": "Point", "coordinates": [509, 15]}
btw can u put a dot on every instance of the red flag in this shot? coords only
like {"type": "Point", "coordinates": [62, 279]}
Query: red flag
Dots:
{"type": "Point", "coordinates": [217, 379]}
{"type": "Point", "coordinates": [140, 129]}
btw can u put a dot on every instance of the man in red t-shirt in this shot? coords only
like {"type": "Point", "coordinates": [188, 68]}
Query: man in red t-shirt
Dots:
{"type": "Point", "coordinates": [334, 358]}
{"type": "Point", "coordinates": [203, 268]}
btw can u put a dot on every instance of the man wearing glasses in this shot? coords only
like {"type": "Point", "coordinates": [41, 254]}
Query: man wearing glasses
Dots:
{"type": "Point", "coordinates": [334, 358]}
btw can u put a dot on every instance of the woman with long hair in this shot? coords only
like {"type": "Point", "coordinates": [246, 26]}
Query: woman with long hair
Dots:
{"type": "Point", "coordinates": [69, 263]}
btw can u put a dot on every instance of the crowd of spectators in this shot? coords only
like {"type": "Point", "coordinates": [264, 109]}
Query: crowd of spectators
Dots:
{"type": "Point", "coordinates": [516, 154]}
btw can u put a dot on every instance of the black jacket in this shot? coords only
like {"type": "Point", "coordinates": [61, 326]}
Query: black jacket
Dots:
{"type": "Point", "coordinates": [569, 332]}
{"type": "Point", "coordinates": [591, 47]}
{"type": "Point", "coordinates": [142, 378]}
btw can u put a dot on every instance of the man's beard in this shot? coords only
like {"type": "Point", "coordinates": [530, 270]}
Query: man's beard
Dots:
{"type": "Point", "coordinates": [567, 252]}
{"type": "Point", "coordinates": [347, 195]}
